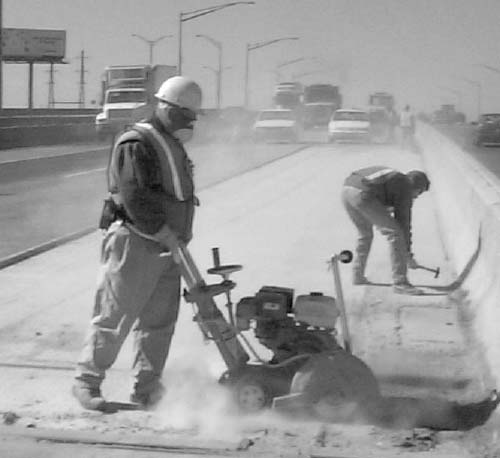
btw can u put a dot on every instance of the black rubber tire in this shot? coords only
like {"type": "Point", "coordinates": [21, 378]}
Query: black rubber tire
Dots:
{"type": "Point", "coordinates": [252, 394]}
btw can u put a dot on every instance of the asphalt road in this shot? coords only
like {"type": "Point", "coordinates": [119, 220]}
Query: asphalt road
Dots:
{"type": "Point", "coordinates": [263, 220]}
{"type": "Point", "coordinates": [487, 155]}
{"type": "Point", "coordinates": [45, 199]}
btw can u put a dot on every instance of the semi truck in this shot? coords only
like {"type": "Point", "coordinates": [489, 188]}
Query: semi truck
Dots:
{"type": "Point", "coordinates": [383, 117]}
{"type": "Point", "coordinates": [288, 95]}
{"type": "Point", "coordinates": [128, 95]}
{"type": "Point", "coordinates": [381, 100]}
{"type": "Point", "coordinates": [319, 102]}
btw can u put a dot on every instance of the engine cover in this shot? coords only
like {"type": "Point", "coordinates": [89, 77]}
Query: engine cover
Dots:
{"type": "Point", "coordinates": [316, 310]}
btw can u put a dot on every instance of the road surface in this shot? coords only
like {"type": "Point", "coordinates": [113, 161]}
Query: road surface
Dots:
{"type": "Point", "coordinates": [281, 221]}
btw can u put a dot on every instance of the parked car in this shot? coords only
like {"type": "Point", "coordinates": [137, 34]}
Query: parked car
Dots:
{"type": "Point", "coordinates": [316, 114]}
{"type": "Point", "coordinates": [349, 125]}
{"type": "Point", "coordinates": [277, 125]}
{"type": "Point", "coordinates": [487, 130]}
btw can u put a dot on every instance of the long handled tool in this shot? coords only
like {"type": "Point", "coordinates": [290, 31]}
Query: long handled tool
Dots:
{"type": "Point", "coordinates": [435, 271]}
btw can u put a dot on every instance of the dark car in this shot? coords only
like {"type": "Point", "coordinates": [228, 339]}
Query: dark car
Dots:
{"type": "Point", "coordinates": [487, 129]}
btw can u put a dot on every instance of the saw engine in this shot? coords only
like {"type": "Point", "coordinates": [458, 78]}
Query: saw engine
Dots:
{"type": "Point", "coordinates": [289, 328]}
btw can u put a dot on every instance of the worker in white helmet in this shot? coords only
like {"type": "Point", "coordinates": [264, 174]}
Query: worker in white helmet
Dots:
{"type": "Point", "coordinates": [150, 208]}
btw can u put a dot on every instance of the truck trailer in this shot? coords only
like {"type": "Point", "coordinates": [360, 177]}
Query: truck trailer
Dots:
{"type": "Point", "coordinates": [128, 95]}
{"type": "Point", "coordinates": [320, 101]}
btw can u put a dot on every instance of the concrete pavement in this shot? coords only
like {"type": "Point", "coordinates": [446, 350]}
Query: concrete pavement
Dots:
{"type": "Point", "coordinates": [39, 152]}
{"type": "Point", "coordinates": [282, 222]}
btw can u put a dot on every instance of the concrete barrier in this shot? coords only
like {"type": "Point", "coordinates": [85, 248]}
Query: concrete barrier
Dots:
{"type": "Point", "coordinates": [468, 205]}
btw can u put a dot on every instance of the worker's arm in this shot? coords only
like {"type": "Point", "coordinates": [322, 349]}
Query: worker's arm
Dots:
{"type": "Point", "coordinates": [402, 203]}
{"type": "Point", "coordinates": [137, 174]}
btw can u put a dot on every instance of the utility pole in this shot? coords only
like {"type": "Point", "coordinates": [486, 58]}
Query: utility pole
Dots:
{"type": "Point", "coordinates": [81, 96]}
{"type": "Point", "coordinates": [51, 102]}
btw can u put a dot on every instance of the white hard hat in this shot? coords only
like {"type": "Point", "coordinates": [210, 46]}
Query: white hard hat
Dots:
{"type": "Point", "coordinates": [181, 91]}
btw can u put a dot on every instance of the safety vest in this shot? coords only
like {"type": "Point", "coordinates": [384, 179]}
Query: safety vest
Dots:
{"type": "Point", "coordinates": [176, 175]}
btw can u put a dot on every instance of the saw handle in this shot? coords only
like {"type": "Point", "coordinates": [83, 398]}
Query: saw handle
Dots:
{"type": "Point", "coordinates": [223, 270]}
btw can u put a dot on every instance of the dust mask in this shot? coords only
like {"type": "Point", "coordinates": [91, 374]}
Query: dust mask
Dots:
{"type": "Point", "coordinates": [183, 135]}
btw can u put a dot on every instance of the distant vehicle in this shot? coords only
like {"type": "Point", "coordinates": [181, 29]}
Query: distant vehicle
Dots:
{"type": "Point", "coordinates": [381, 100]}
{"type": "Point", "coordinates": [349, 125]}
{"type": "Point", "coordinates": [288, 95]}
{"type": "Point", "coordinates": [447, 115]}
{"type": "Point", "coordinates": [383, 116]}
{"type": "Point", "coordinates": [128, 95]}
{"type": "Point", "coordinates": [318, 99]}
{"type": "Point", "coordinates": [316, 114]}
{"type": "Point", "coordinates": [277, 125]}
{"type": "Point", "coordinates": [487, 130]}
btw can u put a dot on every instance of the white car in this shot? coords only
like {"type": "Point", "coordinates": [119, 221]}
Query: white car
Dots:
{"type": "Point", "coordinates": [349, 125]}
{"type": "Point", "coordinates": [277, 125]}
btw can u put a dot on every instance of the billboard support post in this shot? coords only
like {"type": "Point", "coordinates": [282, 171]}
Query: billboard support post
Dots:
{"type": "Point", "coordinates": [30, 94]}
{"type": "Point", "coordinates": [30, 46]}
{"type": "Point", "coordinates": [1, 57]}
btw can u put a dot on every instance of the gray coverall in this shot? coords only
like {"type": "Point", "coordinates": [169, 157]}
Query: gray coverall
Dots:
{"type": "Point", "coordinates": [150, 177]}
{"type": "Point", "coordinates": [381, 197]}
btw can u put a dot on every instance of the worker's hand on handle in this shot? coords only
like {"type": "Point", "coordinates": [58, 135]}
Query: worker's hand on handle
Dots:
{"type": "Point", "coordinates": [170, 240]}
{"type": "Point", "coordinates": [412, 264]}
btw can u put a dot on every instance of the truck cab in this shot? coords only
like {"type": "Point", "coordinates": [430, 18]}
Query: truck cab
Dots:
{"type": "Point", "coordinates": [121, 106]}
{"type": "Point", "coordinates": [128, 95]}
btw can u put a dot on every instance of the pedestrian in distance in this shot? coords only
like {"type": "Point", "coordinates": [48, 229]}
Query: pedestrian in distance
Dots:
{"type": "Point", "coordinates": [407, 125]}
{"type": "Point", "coordinates": [149, 210]}
{"type": "Point", "coordinates": [383, 197]}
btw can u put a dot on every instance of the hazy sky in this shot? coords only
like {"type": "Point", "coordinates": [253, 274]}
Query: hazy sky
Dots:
{"type": "Point", "coordinates": [421, 50]}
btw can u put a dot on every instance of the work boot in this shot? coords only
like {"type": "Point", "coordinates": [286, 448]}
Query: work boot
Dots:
{"type": "Point", "coordinates": [407, 288]}
{"type": "Point", "coordinates": [147, 401]}
{"type": "Point", "coordinates": [89, 397]}
{"type": "Point", "coordinates": [359, 278]}
{"type": "Point", "coordinates": [472, 415]}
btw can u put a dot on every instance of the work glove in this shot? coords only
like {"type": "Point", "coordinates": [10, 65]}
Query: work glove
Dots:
{"type": "Point", "coordinates": [170, 240]}
{"type": "Point", "coordinates": [412, 264]}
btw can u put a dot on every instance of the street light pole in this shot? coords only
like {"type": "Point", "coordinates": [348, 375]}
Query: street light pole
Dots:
{"type": "Point", "coordinates": [478, 86]}
{"type": "Point", "coordinates": [489, 67]}
{"type": "Point", "coordinates": [252, 47]}
{"type": "Point", "coordinates": [284, 64]}
{"type": "Point", "coordinates": [218, 45]}
{"type": "Point", "coordinates": [216, 73]}
{"type": "Point", "coordinates": [311, 72]}
{"type": "Point", "coordinates": [151, 44]}
{"type": "Point", "coordinates": [185, 16]}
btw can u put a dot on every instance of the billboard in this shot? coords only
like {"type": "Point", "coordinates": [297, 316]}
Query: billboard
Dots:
{"type": "Point", "coordinates": [34, 45]}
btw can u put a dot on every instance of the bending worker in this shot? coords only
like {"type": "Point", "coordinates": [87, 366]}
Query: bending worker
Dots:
{"type": "Point", "coordinates": [150, 209]}
{"type": "Point", "coordinates": [383, 197]}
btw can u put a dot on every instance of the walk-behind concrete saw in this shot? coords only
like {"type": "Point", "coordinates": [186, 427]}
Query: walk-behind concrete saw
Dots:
{"type": "Point", "coordinates": [293, 328]}
{"type": "Point", "coordinates": [310, 373]}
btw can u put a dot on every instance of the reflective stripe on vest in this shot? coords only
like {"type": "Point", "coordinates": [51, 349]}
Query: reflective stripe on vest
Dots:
{"type": "Point", "coordinates": [176, 181]}
{"type": "Point", "coordinates": [378, 174]}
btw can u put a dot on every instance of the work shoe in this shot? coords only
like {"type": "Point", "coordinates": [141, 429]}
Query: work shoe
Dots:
{"type": "Point", "coordinates": [472, 415]}
{"type": "Point", "coordinates": [147, 401]}
{"type": "Point", "coordinates": [407, 288]}
{"type": "Point", "coordinates": [359, 280]}
{"type": "Point", "coordinates": [89, 397]}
